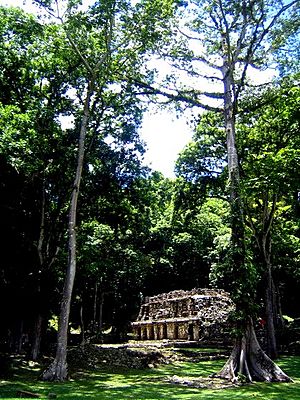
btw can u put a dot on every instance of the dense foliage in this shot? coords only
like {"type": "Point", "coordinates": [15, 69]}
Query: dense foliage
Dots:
{"type": "Point", "coordinates": [138, 233]}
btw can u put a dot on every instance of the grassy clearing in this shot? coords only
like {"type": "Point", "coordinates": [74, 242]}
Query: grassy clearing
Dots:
{"type": "Point", "coordinates": [149, 384]}
{"type": "Point", "coordinates": [201, 350]}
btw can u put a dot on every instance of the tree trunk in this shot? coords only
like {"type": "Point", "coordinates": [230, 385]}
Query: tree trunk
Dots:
{"type": "Point", "coordinates": [100, 325]}
{"type": "Point", "coordinates": [19, 337]}
{"type": "Point", "coordinates": [270, 317]}
{"type": "Point", "coordinates": [58, 370]}
{"type": "Point", "coordinates": [37, 336]}
{"type": "Point", "coordinates": [264, 243]}
{"type": "Point", "coordinates": [37, 325]}
{"type": "Point", "coordinates": [269, 296]}
{"type": "Point", "coordinates": [247, 357]}
{"type": "Point", "coordinates": [95, 309]}
{"type": "Point", "coordinates": [248, 361]}
{"type": "Point", "coordinates": [82, 324]}
{"type": "Point", "coordinates": [279, 321]}
{"type": "Point", "coordinates": [237, 217]}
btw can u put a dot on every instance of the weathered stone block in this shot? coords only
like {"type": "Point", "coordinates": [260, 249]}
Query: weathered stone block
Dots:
{"type": "Point", "coordinates": [184, 315]}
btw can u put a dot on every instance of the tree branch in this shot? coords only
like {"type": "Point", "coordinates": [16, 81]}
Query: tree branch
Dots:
{"type": "Point", "coordinates": [241, 38]}
{"type": "Point", "coordinates": [205, 61]}
{"type": "Point", "coordinates": [271, 215]}
{"type": "Point", "coordinates": [194, 73]}
{"type": "Point", "coordinates": [78, 52]}
{"type": "Point", "coordinates": [179, 96]}
{"type": "Point", "coordinates": [250, 52]}
{"type": "Point", "coordinates": [227, 30]}
{"type": "Point", "coordinates": [252, 226]}
{"type": "Point", "coordinates": [257, 40]}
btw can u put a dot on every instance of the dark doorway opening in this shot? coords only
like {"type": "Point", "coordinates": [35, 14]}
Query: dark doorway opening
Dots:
{"type": "Point", "coordinates": [191, 332]}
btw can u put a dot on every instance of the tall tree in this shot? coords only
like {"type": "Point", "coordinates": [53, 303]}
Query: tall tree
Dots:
{"type": "Point", "coordinates": [94, 79]}
{"type": "Point", "coordinates": [226, 39]}
{"type": "Point", "coordinates": [268, 140]}
{"type": "Point", "coordinates": [108, 49]}
{"type": "Point", "coordinates": [32, 143]}
{"type": "Point", "coordinates": [270, 179]}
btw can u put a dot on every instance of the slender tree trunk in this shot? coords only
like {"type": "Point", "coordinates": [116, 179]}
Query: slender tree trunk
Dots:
{"type": "Point", "coordinates": [277, 301]}
{"type": "Point", "coordinates": [37, 325]}
{"type": "Point", "coordinates": [58, 370]}
{"type": "Point", "coordinates": [19, 337]}
{"type": "Point", "coordinates": [82, 324]}
{"type": "Point", "coordinates": [270, 317]}
{"type": "Point", "coordinates": [264, 243]}
{"type": "Point", "coordinates": [100, 325]}
{"type": "Point", "coordinates": [95, 309]}
{"type": "Point", "coordinates": [37, 337]}
{"type": "Point", "coordinates": [269, 297]}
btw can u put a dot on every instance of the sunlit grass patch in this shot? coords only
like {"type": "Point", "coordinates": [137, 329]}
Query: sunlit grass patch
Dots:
{"type": "Point", "coordinates": [150, 384]}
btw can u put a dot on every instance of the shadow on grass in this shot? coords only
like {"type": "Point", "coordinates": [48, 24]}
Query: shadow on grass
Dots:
{"type": "Point", "coordinates": [150, 384]}
{"type": "Point", "coordinates": [291, 366]}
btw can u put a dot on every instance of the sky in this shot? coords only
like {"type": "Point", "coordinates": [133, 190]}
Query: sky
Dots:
{"type": "Point", "coordinates": [165, 135]}
{"type": "Point", "coordinates": [163, 132]}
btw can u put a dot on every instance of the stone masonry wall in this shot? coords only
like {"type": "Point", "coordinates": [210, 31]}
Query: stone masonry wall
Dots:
{"type": "Point", "coordinates": [186, 315]}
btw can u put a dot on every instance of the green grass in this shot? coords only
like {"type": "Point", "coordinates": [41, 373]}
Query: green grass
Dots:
{"type": "Point", "coordinates": [149, 384]}
{"type": "Point", "coordinates": [201, 350]}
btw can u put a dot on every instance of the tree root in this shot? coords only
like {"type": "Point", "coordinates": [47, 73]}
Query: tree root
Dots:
{"type": "Point", "coordinates": [248, 362]}
{"type": "Point", "coordinates": [56, 372]}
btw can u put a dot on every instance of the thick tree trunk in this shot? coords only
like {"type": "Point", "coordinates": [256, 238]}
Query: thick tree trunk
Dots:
{"type": "Point", "coordinates": [58, 370]}
{"type": "Point", "coordinates": [248, 361]}
{"type": "Point", "coordinates": [247, 358]}
{"type": "Point", "coordinates": [237, 218]}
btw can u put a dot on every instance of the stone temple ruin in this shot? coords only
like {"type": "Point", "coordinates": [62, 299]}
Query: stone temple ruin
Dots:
{"type": "Point", "coordinates": [196, 315]}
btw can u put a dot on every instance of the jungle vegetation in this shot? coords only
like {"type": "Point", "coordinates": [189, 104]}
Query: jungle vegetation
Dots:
{"type": "Point", "coordinates": [87, 229]}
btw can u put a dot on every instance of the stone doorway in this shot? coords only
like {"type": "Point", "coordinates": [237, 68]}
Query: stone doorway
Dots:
{"type": "Point", "coordinates": [191, 332]}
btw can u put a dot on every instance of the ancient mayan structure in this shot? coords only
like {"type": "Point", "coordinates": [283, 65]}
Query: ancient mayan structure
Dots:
{"type": "Point", "coordinates": [196, 315]}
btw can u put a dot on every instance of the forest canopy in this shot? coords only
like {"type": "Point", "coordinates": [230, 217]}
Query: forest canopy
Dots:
{"type": "Point", "coordinates": [87, 230]}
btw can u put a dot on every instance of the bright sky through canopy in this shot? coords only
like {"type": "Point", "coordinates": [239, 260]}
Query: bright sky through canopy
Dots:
{"type": "Point", "coordinates": [164, 134]}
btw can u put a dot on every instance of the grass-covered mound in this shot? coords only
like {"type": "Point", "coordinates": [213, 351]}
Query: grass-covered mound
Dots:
{"type": "Point", "coordinates": [138, 355]}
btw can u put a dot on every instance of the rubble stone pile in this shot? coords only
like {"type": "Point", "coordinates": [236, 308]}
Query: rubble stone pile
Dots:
{"type": "Point", "coordinates": [122, 356]}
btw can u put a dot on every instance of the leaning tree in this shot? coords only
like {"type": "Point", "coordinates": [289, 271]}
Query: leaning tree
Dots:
{"type": "Point", "coordinates": [110, 41]}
